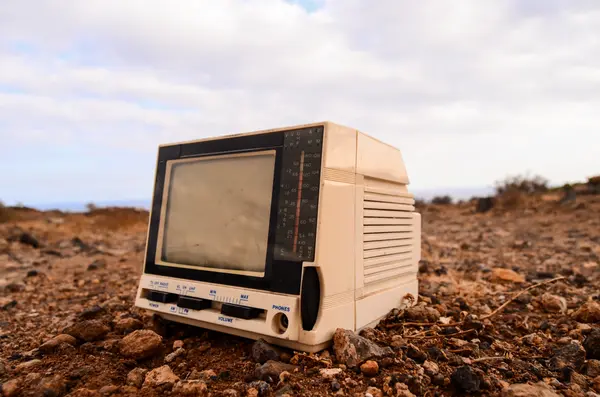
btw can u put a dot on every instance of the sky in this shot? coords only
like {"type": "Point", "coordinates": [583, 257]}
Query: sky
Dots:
{"type": "Point", "coordinates": [470, 91]}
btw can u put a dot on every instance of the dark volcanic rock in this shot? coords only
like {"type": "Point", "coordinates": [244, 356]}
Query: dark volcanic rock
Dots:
{"type": "Point", "coordinates": [97, 264]}
{"type": "Point", "coordinates": [466, 380]}
{"type": "Point", "coordinates": [263, 352]}
{"type": "Point", "coordinates": [29, 239]}
{"type": "Point", "coordinates": [591, 344]}
{"type": "Point", "coordinates": [571, 355]}
{"type": "Point", "coordinates": [351, 349]}
{"type": "Point", "coordinates": [271, 370]}
{"type": "Point", "coordinates": [484, 204]}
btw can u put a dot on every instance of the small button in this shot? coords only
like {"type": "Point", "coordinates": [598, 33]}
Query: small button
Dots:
{"type": "Point", "coordinates": [189, 302]}
{"type": "Point", "coordinates": [163, 297]}
{"type": "Point", "coordinates": [240, 311]}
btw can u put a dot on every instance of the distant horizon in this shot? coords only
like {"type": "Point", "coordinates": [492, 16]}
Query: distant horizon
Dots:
{"type": "Point", "coordinates": [457, 193]}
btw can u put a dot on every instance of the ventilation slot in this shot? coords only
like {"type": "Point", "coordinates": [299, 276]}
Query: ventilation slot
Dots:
{"type": "Point", "coordinates": [388, 237]}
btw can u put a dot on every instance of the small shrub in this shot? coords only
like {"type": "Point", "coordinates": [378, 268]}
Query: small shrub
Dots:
{"type": "Point", "coordinates": [522, 184]}
{"type": "Point", "coordinates": [6, 213]}
{"type": "Point", "coordinates": [443, 200]}
{"type": "Point", "coordinates": [594, 180]}
{"type": "Point", "coordinates": [420, 203]}
{"type": "Point", "coordinates": [512, 199]}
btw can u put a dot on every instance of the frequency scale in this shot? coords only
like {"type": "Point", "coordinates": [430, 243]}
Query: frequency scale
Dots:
{"type": "Point", "coordinates": [299, 195]}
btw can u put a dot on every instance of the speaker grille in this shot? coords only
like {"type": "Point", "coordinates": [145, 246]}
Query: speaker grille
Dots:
{"type": "Point", "coordinates": [388, 235]}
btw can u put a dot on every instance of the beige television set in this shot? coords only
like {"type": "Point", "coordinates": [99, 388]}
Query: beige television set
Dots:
{"type": "Point", "coordinates": [283, 234]}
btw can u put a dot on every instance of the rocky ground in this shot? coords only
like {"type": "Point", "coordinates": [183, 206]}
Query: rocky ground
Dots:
{"type": "Point", "coordinates": [68, 326]}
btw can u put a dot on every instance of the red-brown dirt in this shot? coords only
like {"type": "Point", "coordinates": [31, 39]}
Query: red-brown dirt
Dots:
{"type": "Point", "coordinates": [77, 273]}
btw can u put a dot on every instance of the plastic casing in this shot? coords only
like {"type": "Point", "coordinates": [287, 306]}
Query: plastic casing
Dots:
{"type": "Point", "coordinates": [367, 251]}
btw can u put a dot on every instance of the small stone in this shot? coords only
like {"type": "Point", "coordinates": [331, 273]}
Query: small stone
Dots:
{"type": "Point", "coordinates": [191, 388]}
{"type": "Point", "coordinates": [263, 352]}
{"type": "Point", "coordinates": [422, 314]}
{"type": "Point", "coordinates": [52, 344]}
{"type": "Point", "coordinates": [589, 312]}
{"type": "Point", "coordinates": [230, 393]}
{"type": "Point", "coordinates": [402, 390]}
{"type": "Point", "coordinates": [596, 383]}
{"type": "Point", "coordinates": [533, 340]}
{"type": "Point", "coordinates": [580, 380]}
{"type": "Point", "coordinates": [12, 388]}
{"type": "Point", "coordinates": [206, 375]}
{"type": "Point", "coordinates": [571, 355]}
{"type": "Point", "coordinates": [506, 275]}
{"type": "Point", "coordinates": [127, 325]}
{"type": "Point", "coordinates": [162, 376]}
{"type": "Point", "coordinates": [171, 357]}
{"type": "Point", "coordinates": [335, 385]}
{"type": "Point", "coordinates": [204, 347]}
{"type": "Point", "coordinates": [524, 299]}
{"type": "Point", "coordinates": [373, 391]}
{"type": "Point", "coordinates": [88, 330]}
{"type": "Point", "coordinates": [7, 303]}
{"type": "Point", "coordinates": [52, 386]}
{"type": "Point", "coordinates": [398, 341]}
{"type": "Point", "coordinates": [83, 392]}
{"type": "Point", "coordinates": [466, 380]}
{"type": "Point", "coordinates": [29, 239]}
{"type": "Point", "coordinates": [351, 349]}
{"type": "Point", "coordinates": [178, 344]}
{"type": "Point", "coordinates": [284, 376]}
{"type": "Point", "coordinates": [370, 368]}
{"type": "Point", "coordinates": [136, 377]}
{"type": "Point", "coordinates": [431, 368]}
{"type": "Point", "coordinates": [271, 370]}
{"type": "Point", "coordinates": [140, 344]}
{"type": "Point", "coordinates": [27, 365]}
{"type": "Point", "coordinates": [416, 354]}
{"type": "Point", "coordinates": [439, 380]}
{"type": "Point", "coordinates": [553, 303]}
{"type": "Point", "coordinates": [539, 389]}
{"type": "Point", "coordinates": [330, 373]}
{"type": "Point", "coordinates": [92, 312]}
{"type": "Point", "coordinates": [591, 344]}
{"type": "Point", "coordinates": [14, 286]}
{"type": "Point", "coordinates": [592, 368]}
{"type": "Point", "coordinates": [97, 264]}
{"type": "Point", "coordinates": [252, 392]}
{"type": "Point", "coordinates": [108, 390]}
{"type": "Point", "coordinates": [262, 387]}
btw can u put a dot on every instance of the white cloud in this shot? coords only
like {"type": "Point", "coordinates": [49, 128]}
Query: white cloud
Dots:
{"type": "Point", "coordinates": [469, 90]}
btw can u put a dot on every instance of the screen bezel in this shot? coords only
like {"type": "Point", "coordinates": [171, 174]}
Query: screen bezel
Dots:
{"type": "Point", "coordinates": [280, 276]}
{"type": "Point", "coordinates": [165, 205]}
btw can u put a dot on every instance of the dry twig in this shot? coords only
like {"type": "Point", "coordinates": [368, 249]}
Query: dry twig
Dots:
{"type": "Point", "coordinates": [439, 336]}
{"type": "Point", "coordinates": [478, 360]}
{"type": "Point", "coordinates": [487, 316]}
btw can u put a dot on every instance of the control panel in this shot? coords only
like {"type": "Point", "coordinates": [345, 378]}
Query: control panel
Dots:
{"type": "Point", "coordinates": [299, 194]}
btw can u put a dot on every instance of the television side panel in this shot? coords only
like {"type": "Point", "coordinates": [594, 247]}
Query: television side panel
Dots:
{"type": "Point", "coordinates": [389, 232]}
{"type": "Point", "coordinates": [378, 160]}
{"type": "Point", "coordinates": [340, 148]}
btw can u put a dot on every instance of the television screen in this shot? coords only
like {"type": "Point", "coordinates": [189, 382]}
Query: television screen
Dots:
{"type": "Point", "coordinates": [217, 212]}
